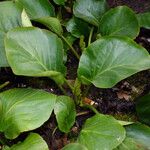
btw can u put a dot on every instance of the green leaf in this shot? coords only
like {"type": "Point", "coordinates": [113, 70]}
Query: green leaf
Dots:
{"type": "Point", "coordinates": [24, 110]}
{"type": "Point", "coordinates": [101, 131]}
{"type": "Point", "coordinates": [10, 17]}
{"type": "Point", "coordinates": [3, 59]}
{"type": "Point", "coordinates": [137, 138]}
{"type": "Point", "coordinates": [32, 142]}
{"type": "Point", "coordinates": [120, 21]}
{"type": "Point", "coordinates": [25, 19]}
{"type": "Point", "coordinates": [60, 2]}
{"type": "Point", "coordinates": [74, 146]}
{"type": "Point", "coordinates": [90, 10]}
{"type": "Point", "coordinates": [110, 60]}
{"type": "Point", "coordinates": [143, 109]}
{"type": "Point", "coordinates": [34, 52]}
{"type": "Point", "coordinates": [65, 113]}
{"type": "Point", "coordinates": [77, 27]}
{"type": "Point", "coordinates": [129, 144]}
{"type": "Point", "coordinates": [37, 8]}
{"type": "Point", "coordinates": [52, 23]}
{"type": "Point", "coordinates": [144, 19]}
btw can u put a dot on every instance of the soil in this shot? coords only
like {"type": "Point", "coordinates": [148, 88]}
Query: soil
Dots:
{"type": "Point", "coordinates": [118, 101]}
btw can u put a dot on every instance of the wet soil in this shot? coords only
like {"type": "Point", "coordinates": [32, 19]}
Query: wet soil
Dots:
{"type": "Point", "coordinates": [118, 101]}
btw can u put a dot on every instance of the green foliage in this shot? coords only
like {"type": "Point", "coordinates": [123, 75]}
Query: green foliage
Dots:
{"type": "Point", "coordinates": [24, 110]}
{"type": "Point", "coordinates": [10, 17]}
{"type": "Point", "coordinates": [90, 10]}
{"type": "Point", "coordinates": [52, 23]}
{"type": "Point", "coordinates": [100, 130]}
{"type": "Point", "coordinates": [144, 19]}
{"type": "Point", "coordinates": [3, 60]}
{"type": "Point", "coordinates": [74, 146]}
{"type": "Point", "coordinates": [37, 8]}
{"type": "Point", "coordinates": [111, 56]}
{"type": "Point", "coordinates": [25, 19]}
{"type": "Point", "coordinates": [113, 24]}
{"type": "Point", "coordinates": [65, 113]}
{"type": "Point", "coordinates": [77, 27]}
{"type": "Point", "coordinates": [143, 109]}
{"type": "Point", "coordinates": [110, 60]}
{"type": "Point", "coordinates": [60, 2]}
{"type": "Point", "coordinates": [39, 53]}
{"type": "Point", "coordinates": [32, 142]}
{"type": "Point", "coordinates": [140, 134]}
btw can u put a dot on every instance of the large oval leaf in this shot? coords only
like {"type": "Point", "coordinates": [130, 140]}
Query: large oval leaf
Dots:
{"type": "Point", "coordinates": [143, 109]}
{"type": "Point", "coordinates": [74, 146]}
{"type": "Point", "coordinates": [90, 10]}
{"type": "Point", "coordinates": [10, 17]}
{"type": "Point", "coordinates": [144, 19]}
{"type": "Point", "coordinates": [37, 8]}
{"type": "Point", "coordinates": [130, 144]}
{"type": "Point", "coordinates": [101, 132]}
{"type": "Point", "coordinates": [140, 134]}
{"type": "Point", "coordinates": [32, 142]}
{"type": "Point", "coordinates": [110, 59]}
{"type": "Point", "coordinates": [34, 52]}
{"type": "Point", "coordinates": [65, 113]}
{"type": "Point", "coordinates": [119, 21]}
{"type": "Point", "coordinates": [77, 27]}
{"type": "Point", "coordinates": [23, 110]}
{"type": "Point", "coordinates": [52, 23]}
{"type": "Point", "coordinates": [3, 60]}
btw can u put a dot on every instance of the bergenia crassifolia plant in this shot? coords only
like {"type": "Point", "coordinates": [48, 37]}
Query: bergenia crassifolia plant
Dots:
{"type": "Point", "coordinates": [35, 39]}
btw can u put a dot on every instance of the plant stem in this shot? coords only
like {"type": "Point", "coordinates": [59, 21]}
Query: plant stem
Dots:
{"type": "Point", "coordinates": [69, 85]}
{"type": "Point", "coordinates": [4, 84]}
{"type": "Point", "coordinates": [71, 48]}
{"type": "Point", "coordinates": [91, 108]}
{"type": "Point", "coordinates": [62, 89]}
{"type": "Point", "coordinates": [90, 36]}
{"type": "Point", "coordinates": [2, 141]}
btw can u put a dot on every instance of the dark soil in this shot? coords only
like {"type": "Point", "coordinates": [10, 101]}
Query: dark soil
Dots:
{"type": "Point", "coordinates": [118, 101]}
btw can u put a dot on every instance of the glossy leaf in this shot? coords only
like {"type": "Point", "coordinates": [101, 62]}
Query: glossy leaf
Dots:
{"type": "Point", "coordinates": [120, 21]}
{"type": "Point", "coordinates": [60, 2]}
{"type": "Point", "coordinates": [143, 109]}
{"type": "Point", "coordinates": [129, 144]}
{"type": "Point", "coordinates": [144, 19]}
{"type": "Point", "coordinates": [110, 60]}
{"type": "Point", "coordinates": [24, 110]}
{"type": "Point", "coordinates": [3, 59]}
{"type": "Point", "coordinates": [140, 134]}
{"type": "Point", "coordinates": [10, 17]}
{"type": "Point", "coordinates": [32, 142]}
{"type": "Point", "coordinates": [34, 52]}
{"type": "Point", "coordinates": [101, 131]}
{"type": "Point", "coordinates": [90, 10]}
{"type": "Point", "coordinates": [77, 27]}
{"type": "Point", "coordinates": [74, 146]}
{"type": "Point", "coordinates": [52, 23]}
{"type": "Point", "coordinates": [37, 8]}
{"type": "Point", "coordinates": [65, 113]}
